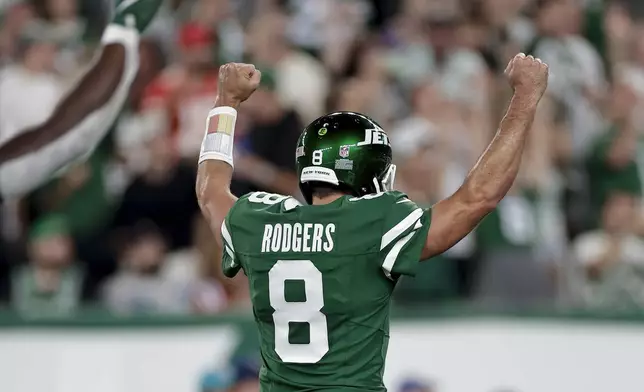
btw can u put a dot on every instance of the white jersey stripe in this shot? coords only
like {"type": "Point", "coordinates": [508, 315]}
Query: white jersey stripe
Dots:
{"type": "Point", "coordinates": [404, 201]}
{"type": "Point", "coordinates": [231, 254]}
{"type": "Point", "coordinates": [392, 256]}
{"type": "Point", "coordinates": [400, 228]}
{"type": "Point", "coordinates": [226, 235]}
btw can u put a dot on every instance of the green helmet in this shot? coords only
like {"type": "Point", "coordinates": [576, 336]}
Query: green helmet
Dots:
{"type": "Point", "coordinates": [345, 149]}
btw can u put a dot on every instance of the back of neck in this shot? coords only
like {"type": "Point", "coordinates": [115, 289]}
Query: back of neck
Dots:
{"type": "Point", "coordinates": [327, 199]}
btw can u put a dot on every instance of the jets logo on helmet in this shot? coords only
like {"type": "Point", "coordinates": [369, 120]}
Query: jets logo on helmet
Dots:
{"type": "Point", "coordinates": [343, 134]}
{"type": "Point", "coordinates": [374, 136]}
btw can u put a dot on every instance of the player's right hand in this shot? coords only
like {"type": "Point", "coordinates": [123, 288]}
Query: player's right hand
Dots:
{"type": "Point", "coordinates": [237, 82]}
{"type": "Point", "coordinates": [528, 76]}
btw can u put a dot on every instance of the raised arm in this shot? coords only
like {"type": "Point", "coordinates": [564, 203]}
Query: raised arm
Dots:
{"type": "Point", "coordinates": [495, 171]}
{"type": "Point", "coordinates": [236, 83]}
{"type": "Point", "coordinates": [85, 115]}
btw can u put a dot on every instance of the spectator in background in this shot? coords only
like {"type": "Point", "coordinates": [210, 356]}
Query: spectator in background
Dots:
{"type": "Point", "coordinates": [266, 159]}
{"type": "Point", "coordinates": [422, 153]}
{"type": "Point", "coordinates": [180, 98]}
{"type": "Point", "coordinates": [60, 21]}
{"type": "Point", "coordinates": [632, 73]}
{"type": "Point", "coordinates": [13, 19]}
{"type": "Point", "coordinates": [29, 92]}
{"type": "Point", "coordinates": [611, 258]}
{"type": "Point", "coordinates": [460, 72]}
{"type": "Point", "coordinates": [429, 42]}
{"type": "Point", "coordinates": [498, 30]}
{"type": "Point", "coordinates": [522, 240]}
{"type": "Point", "coordinates": [301, 82]}
{"type": "Point", "coordinates": [163, 194]}
{"type": "Point", "coordinates": [577, 71]}
{"type": "Point", "coordinates": [51, 284]}
{"type": "Point", "coordinates": [369, 89]}
{"type": "Point", "coordinates": [417, 151]}
{"type": "Point", "coordinates": [510, 271]}
{"type": "Point", "coordinates": [612, 162]}
{"type": "Point", "coordinates": [199, 269]}
{"type": "Point", "coordinates": [328, 29]}
{"type": "Point", "coordinates": [29, 89]}
{"type": "Point", "coordinates": [138, 124]}
{"type": "Point", "coordinates": [81, 196]}
{"type": "Point", "coordinates": [219, 16]}
{"type": "Point", "coordinates": [140, 287]}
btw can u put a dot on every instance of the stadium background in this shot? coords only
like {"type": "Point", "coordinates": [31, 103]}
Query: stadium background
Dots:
{"type": "Point", "coordinates": [109, 279]}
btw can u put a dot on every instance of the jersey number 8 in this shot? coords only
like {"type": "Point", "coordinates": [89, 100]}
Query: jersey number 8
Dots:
{"type": "Point", "coordinates": [308, 311]}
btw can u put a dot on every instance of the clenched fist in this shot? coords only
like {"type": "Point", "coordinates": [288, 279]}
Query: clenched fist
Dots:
{"type": "Point", "coordinates": [237, 82]}
{"type": "Point", "coordinates": [528, 76]}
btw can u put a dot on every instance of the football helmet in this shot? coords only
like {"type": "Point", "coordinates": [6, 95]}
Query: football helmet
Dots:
{"type": "Point", "coordinates": [345, 149]}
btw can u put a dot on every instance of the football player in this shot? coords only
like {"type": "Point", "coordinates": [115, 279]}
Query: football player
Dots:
{"type": "Point", "coordinates": [321, 275]}
{"type": "Point", "coordinates": [85, 115]}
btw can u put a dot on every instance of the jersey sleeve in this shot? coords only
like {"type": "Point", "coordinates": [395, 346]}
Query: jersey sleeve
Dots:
{"type": "Point", "coordinates": [229, 263]}
{"type": "Point", "coordinates": [403, 237]}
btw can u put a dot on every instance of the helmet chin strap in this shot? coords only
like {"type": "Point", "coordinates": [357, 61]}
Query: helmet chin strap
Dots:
{"type": "Point", "coordinates": [389, 178]}
{"type": "Point", "coordinates": [387, 183]}
{"type": "Point", "coordinates": [377, 185]}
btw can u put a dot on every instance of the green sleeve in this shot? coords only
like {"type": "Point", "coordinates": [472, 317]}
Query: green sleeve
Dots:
{"type": "Point", "coordinates": [229, 261]}
{"type": "Point", "coordinates": [403, 237]}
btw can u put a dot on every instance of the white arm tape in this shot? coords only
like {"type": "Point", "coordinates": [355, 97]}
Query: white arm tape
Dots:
{"type": "Point", "coordinates": [219, 137]}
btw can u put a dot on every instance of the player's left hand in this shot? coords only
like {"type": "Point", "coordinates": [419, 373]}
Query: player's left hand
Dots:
{"type": "Point", "coordinates": [237, 82]}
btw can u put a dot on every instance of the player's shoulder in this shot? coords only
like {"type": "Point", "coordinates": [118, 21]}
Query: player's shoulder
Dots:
{"type": "Point", "coordinates": [394, 209]}
{"type": "Point", "coordinates": [388, 208]}
{"type": "Point", "coordinates": [265, 202]}
{"type": "Point", "coordinates": [383, 198]}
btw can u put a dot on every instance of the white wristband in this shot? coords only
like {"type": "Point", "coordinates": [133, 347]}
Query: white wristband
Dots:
{"type": "Point", "coordinates": [220, 135]}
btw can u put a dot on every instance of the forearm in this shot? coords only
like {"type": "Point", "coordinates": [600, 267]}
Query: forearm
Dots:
{"type": "Point", "coordinates": [213, 183]}
{"type": "Point", "coordinates": [495, 171]}
{"type": "Point", "coordinates": [23, 174]}
{"type": "Point", "coordinates": [116, 66]}
{"type": "Point", "coordinates": [213, 190]}
{"type": "Point", "coordinates": [38, 156]}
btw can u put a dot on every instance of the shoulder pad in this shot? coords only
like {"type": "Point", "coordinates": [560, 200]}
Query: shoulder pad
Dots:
{"type": "Point", "coordinates": [265, 200]}
{"type": "Point", "coordinates": [389, 196]}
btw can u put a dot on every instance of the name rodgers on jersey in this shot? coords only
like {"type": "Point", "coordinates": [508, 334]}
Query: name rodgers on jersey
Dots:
{"type": "Point", "coordinates": [298, 237]}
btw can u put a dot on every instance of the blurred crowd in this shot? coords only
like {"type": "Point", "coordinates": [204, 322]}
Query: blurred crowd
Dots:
{"type": "Point", "coordinates": [122, 231]}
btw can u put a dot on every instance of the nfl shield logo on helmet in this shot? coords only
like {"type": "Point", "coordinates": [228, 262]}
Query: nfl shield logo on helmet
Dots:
{"type": "Point", "coordinates": [344, 151]}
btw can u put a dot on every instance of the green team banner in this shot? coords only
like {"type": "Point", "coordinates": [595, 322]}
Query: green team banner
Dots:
{"type": "Point", "coordinates": [460, 351]}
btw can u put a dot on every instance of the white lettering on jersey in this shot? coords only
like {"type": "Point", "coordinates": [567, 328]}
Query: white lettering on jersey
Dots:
{"type": "Point", "coordinates": [276, 241]}
{"type": "Point", "coordinates": [329, 230]}
{"type": "Point", "coordinates": [374, 136]}
{"type": "Point", "coordinates": [298, 237]}
{"type": "Point", "coordinates": [266, 240]}
{"type": "Point", "coordinates": [306, 246]}
{"type": "Point", "coordinates": [367, 196]}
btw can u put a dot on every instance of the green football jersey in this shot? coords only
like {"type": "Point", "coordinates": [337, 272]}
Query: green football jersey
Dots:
{"type": "Point", "coordinates": [321, 278]}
